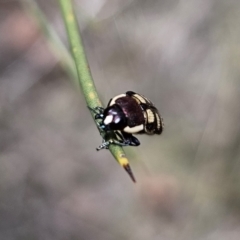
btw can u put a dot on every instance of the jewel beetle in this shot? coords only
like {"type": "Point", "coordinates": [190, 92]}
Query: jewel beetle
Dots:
{"type": "Point", "coordinates": [127, 114]}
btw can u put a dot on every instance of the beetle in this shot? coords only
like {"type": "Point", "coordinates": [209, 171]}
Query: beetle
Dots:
{"type": "Point", "coordinates": [127, 114]}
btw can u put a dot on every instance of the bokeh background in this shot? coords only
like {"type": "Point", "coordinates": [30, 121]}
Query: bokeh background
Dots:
{"type": "Point", "coordinates": [185, 56]}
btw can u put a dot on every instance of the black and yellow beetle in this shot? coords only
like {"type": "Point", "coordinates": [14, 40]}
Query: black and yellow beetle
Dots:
{"type": "Point", "coordinates": [127, 114]}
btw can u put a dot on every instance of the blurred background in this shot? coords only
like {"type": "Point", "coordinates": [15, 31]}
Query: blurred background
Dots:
{"type": "Point", "coordinates": [184, 55]}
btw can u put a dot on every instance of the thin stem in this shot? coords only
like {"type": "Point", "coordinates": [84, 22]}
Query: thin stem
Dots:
{"type": "Point", "coordinates": [84, 75]}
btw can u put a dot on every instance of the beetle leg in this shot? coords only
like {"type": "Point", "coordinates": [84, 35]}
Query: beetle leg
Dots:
{"type": "Point", "coordinates": [104, 145]}
{"type": "Point", "coordinates": [126, 139]}
{"type": "Point", "coordinates": [130, 139]}
{"type": "Point", "coordinates": [97, 110]}
{"type": "Point", "coordinates": [99, 116]}
{"type": "Point", "coordinates": [134, 141]}
{"type": "Point", "coordinates": [100, 109]}
{"type": "Point", "coordinates": [100, 126]}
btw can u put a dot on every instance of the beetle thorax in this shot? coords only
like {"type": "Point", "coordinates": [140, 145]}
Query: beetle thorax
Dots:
{"type": "Point", "coordinates": [114, 118]}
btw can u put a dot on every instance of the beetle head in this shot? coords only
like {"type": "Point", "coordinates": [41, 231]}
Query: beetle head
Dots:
{"type": "Point", "coordinates": [114, 118]}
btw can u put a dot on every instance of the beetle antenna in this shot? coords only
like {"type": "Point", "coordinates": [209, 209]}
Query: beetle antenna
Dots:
{"type": "Point", "coordinates": [129, 171]}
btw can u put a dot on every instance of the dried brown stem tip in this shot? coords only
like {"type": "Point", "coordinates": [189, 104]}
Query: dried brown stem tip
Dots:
{"type": "Point", "coordinates": [129, 171]}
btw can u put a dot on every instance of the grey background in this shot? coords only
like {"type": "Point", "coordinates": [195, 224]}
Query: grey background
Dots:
{"type": "Point", "coordinates": [183, 55]}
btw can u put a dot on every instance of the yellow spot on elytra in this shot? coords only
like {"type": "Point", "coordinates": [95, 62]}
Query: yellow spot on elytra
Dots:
{"type": "Point", "coordinates": [151, 117]}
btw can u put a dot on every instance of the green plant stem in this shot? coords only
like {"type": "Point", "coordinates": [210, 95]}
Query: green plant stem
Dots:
{"type": "Point", "coordinates": [53, 40]}
{"type": "Point", "coordinates": [84, 74]}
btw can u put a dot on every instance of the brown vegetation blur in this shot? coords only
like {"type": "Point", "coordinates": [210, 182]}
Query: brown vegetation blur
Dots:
{"type": "Point", "coordinates": [185, 57]}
